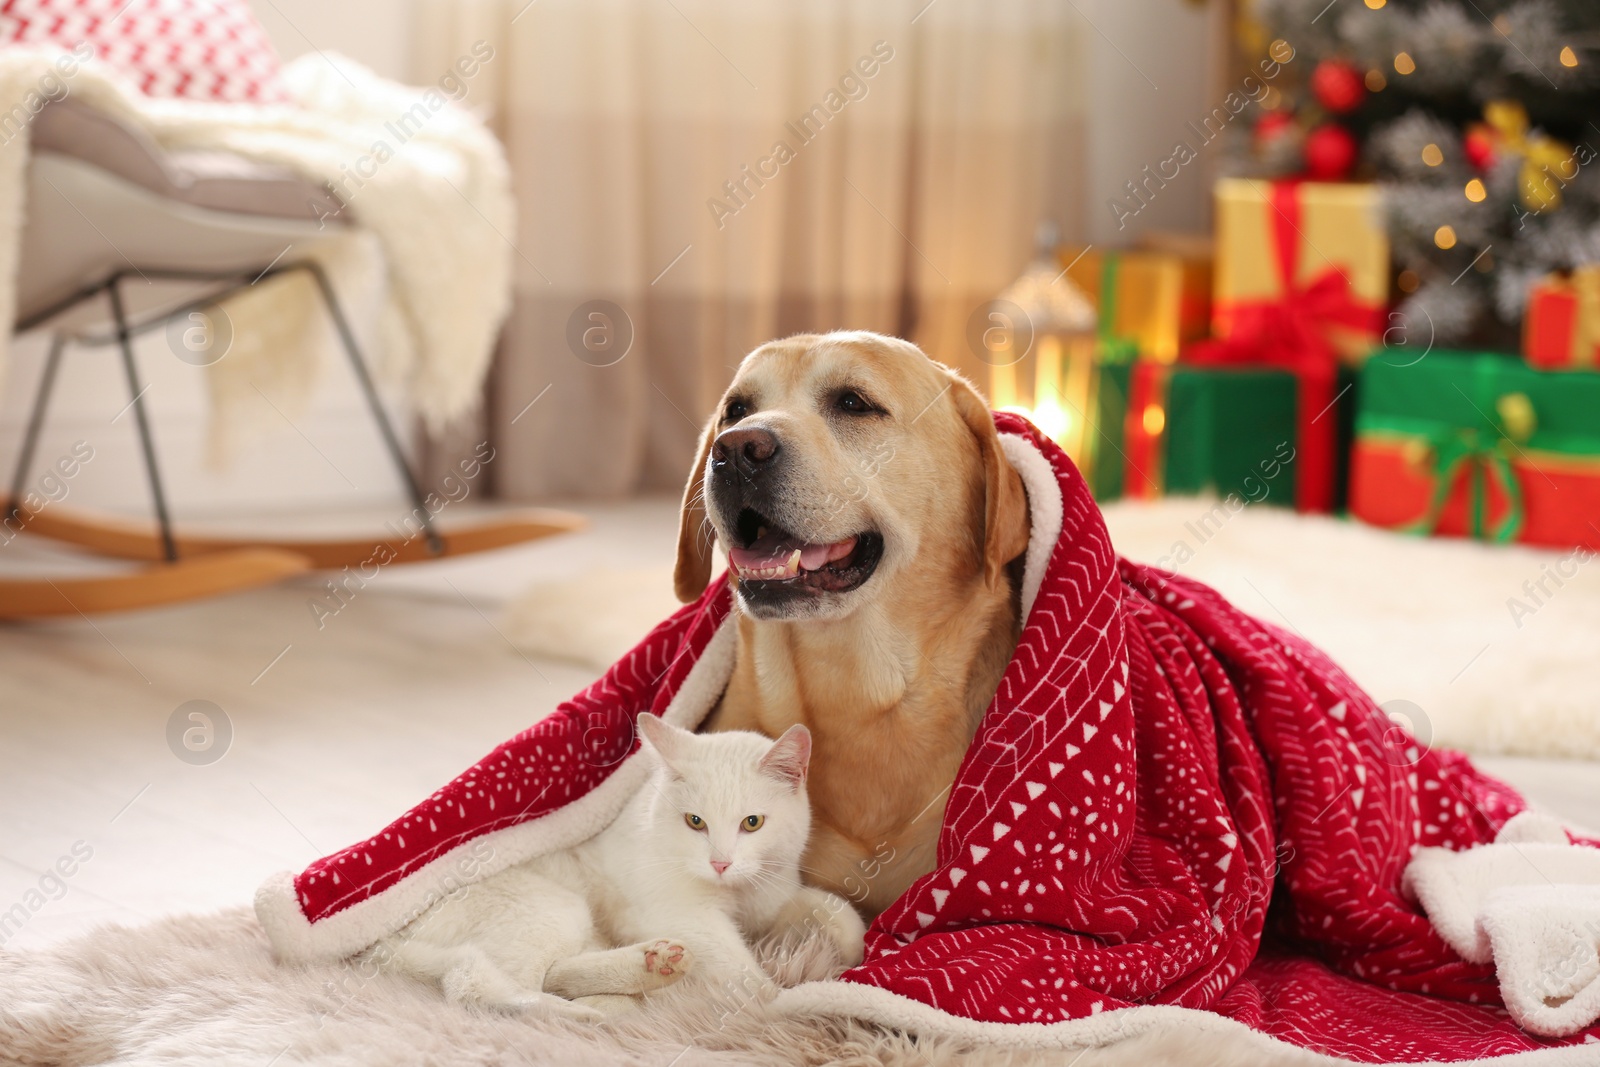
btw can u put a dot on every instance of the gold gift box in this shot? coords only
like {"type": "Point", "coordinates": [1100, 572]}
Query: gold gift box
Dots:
{"type": "Point", "coordinates": [1163, 290]}
{"type": "Point", "coordinates": [1340, 226]}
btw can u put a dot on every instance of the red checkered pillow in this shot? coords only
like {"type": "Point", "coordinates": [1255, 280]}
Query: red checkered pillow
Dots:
{"type": "Point", "coordinates": [198, 49]}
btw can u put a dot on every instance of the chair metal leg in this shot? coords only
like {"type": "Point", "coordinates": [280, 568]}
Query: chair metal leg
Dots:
{"type": "Point", "coordinates": [125, 342]}
{"type": "Point", "coordinates": [125, 330]}
{"type": "Point", "coordinates": [390, 439]}
{"type": "Point", "coordinates": [30, 436]}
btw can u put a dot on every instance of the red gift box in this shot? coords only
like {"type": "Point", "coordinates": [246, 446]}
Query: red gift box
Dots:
{"type": "Point", "coordinates": [1561, 328]}
{"type": "Point", "coordinates": [1537, 501]}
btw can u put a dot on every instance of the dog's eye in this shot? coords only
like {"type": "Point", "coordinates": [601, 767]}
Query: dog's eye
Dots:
{"type": "Point", "coordinates": [736, 410]}
{"type": "Point", "coordinates": [853, 402]}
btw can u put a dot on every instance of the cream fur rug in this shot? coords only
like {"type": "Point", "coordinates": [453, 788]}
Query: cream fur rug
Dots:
{"type": "Point", "coordinates": [439, 205]}
{"type": "Point", "coordinates": [1461, 630]}
{"type": "Point", "coordinates": [203, 990]}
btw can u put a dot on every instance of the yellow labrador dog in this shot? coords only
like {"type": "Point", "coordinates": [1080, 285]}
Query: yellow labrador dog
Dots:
{"type": "Point", "coordinates": [871, 523]}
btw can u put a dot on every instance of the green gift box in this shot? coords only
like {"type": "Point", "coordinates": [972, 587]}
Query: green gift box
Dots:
{"type": "Point", "coordinates": [1228, 430]}
{"type": "Point", "coordinates": [1103, 463]}
{"type": "Point", "coordinates": [1478, 444]}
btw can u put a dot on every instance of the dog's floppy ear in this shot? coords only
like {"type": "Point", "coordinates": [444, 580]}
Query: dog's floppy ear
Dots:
{"type": "Point", "coordinates": [1005, 503]}
{"type": "Point", "coordinates": [693, 569]}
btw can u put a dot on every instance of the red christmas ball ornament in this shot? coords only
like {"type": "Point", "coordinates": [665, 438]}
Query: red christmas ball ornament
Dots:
{"type": "Point", "coordinates": [1273, 125]}
{"type": "Point", "coordinates": [1480, 145]}
{"type": "Point", "coordinates": [1330, 152]}
{"type": "Point", "coordinates": [1338, 86]}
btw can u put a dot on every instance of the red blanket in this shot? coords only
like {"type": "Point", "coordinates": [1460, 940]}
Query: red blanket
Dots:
{"type": "Point", "coordinates": [1168, 803]}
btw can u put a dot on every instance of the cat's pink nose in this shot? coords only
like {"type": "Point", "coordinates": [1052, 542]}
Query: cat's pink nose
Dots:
{"type": "Point", "coordinates": [720, 865]}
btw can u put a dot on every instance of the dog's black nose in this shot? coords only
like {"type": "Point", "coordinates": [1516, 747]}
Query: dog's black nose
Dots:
{"type": "Point", "coordinates": [748, 450]}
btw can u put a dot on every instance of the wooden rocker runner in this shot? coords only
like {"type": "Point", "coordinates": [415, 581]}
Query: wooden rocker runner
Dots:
{"type": "Point", "coordinates": [106, 206]}
{"type": "Point", "coordinates": [184, 566]}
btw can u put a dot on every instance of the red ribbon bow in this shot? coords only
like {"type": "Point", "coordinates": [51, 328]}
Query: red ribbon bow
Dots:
{"type": "Point", "coordinates": [1291, 332]}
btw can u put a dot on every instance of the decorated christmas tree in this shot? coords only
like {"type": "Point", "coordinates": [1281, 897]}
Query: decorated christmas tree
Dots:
{"type": "Point", "coordinates": [1477, 117]}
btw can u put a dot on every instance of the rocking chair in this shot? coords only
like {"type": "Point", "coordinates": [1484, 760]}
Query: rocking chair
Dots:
{"type": "Point", "coordinates": [107, 204]}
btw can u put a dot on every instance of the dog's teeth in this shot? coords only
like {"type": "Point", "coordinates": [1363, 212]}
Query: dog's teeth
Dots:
{"type": "Point", "coordinates": [790, 568]}
{"type": "Point", "coordinates": [761, 532]}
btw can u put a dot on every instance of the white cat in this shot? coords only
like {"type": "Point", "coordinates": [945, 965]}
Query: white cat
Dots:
{"type": "Point", "coordinates": [705, 856]}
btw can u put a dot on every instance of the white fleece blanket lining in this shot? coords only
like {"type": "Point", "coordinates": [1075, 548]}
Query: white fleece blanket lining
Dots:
{"type": "Point", "coordinates": [1529, 903]}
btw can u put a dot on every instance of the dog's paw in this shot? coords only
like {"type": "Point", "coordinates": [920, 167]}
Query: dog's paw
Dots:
{"type": "Point", "coordinates": [847, 932]}
{"type": "Point", "coordinates": [816, 910]}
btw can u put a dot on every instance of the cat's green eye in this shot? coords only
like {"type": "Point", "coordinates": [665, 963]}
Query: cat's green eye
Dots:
{"type": "Point", "coordinates": [695, 822]}
{"type": "Point", "coordinates": [752, 823]}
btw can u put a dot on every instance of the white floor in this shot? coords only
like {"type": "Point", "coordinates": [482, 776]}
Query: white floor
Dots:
{"type": "Point", "coordinates": [335, 730]}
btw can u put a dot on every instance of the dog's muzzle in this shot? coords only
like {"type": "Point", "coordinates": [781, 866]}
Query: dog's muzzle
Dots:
{"type": "Point", "coordinates": [772, 563]}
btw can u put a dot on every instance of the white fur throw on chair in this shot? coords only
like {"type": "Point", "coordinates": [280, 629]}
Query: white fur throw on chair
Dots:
{"type": "Point", "coordinates": [430, 220]}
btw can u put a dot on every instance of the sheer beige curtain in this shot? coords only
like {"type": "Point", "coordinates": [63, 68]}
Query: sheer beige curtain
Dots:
{"type": "Point", "coordinates": [694, 177]}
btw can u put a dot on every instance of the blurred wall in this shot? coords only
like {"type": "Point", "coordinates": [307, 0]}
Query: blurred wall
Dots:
{"type": "Point", "coordinates": [1150, 63]}
{"type": "Point", "coordinates": [376, 33]}
{"type": "Point", "coordinates": [1150, 71]}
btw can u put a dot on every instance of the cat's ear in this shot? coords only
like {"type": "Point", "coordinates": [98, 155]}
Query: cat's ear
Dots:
{"type": "Point", "coordinates": [662, 737]}
{"type": "Point", "coordinates": [789, 757]}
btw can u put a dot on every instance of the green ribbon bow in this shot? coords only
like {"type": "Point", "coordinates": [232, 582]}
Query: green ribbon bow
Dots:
{"type": "Point", "coordinates": [1485, 455]}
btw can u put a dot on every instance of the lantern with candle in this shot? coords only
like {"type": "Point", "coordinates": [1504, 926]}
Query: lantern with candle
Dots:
{"type": "Point", "coordinates": [1066, 370]}
{"type": "Point", "coordinates": [1040, 345]}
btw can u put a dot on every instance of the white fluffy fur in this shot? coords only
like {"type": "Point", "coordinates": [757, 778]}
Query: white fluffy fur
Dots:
{"type": "Point", "coordinates": [441, 211]}
{"type": "Point", "coordinates": [591, 922]}
{"type": "Point", "coordinates": [198, 991]}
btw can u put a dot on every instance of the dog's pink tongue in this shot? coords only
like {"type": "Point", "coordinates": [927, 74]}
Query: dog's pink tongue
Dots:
{"type": "Point", "coordinates": [813, 556]}
{"type": "Point", "coordinates": [774, 550]}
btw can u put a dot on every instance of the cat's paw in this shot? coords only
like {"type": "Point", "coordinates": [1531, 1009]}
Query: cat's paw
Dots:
{"type": "Point", "coordinates": [546, 1006]}
{"type": "Point", "coordinates": [665, 962]}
